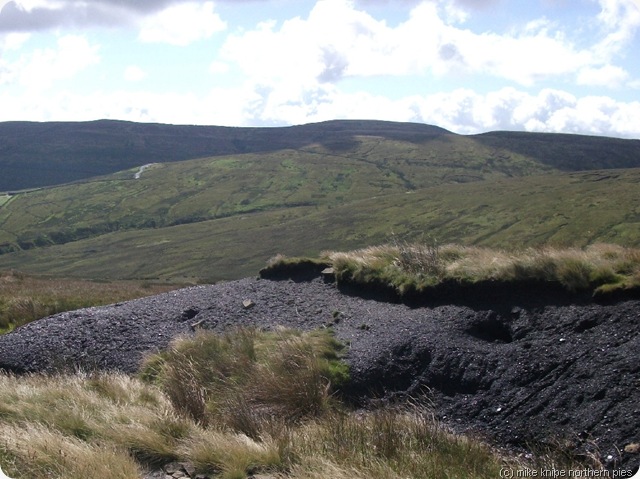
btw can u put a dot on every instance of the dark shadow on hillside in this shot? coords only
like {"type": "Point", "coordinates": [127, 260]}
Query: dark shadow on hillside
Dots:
{"type": "Point", "coordinates": [567, 152]}
{"type": "Point", "coordinates": [298, 271]}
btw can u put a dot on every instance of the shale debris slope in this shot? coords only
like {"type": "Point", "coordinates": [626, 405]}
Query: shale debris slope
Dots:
{"type": "Point", "coordinates": [518, 369]}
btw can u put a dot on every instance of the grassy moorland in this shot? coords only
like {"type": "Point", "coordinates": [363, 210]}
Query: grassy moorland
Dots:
{"type": "Point", "coordinates": [51, 153]}
{"type": "Point", "coordinates": [200, 402]}
{"type": "Point", "coordinates": [333, 185]}
{"type": "Point", "coordinates": [568, 209]}
{"type": "Point", "coordinates": [25, 298]}
{"type": "Point", "coordinates": [206, 189]}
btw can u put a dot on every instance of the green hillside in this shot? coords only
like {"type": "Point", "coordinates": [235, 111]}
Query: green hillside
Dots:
{"type": "Point", "coordinates": [41, 154]}
{"type": "Point", "coordinates": [198, 190]}
{"type": "Point", "coordinates": [51, 153]}
{"type": "Point", "coordinates": [559, 209]}
{"type": "Point", "coordinates": [300, 190]}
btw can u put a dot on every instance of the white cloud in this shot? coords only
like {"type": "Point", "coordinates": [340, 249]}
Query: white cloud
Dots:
{"type": "Point", "coordinates": [13, 41]}
{"type": "Point", "coordinates": [425, 43]}
{"type": "Point", "coordinates": [621, 20]}
{"type": "Point", "coordinates": [465, 111]}
{"type": "Point", "coordinates": [217, 68]}
{"type": "Point", "coordinates": [525, 58]}
{"type": "Point", "coordinates": [40, 69]}
{"type": "Point", "coordinates": [606, 76]}
{"type": "Point", "coordinates": [134, 73]}
{"type": "Point", "coordinates": [182, 24]}
{"type": "Point", "coordinates": [293, 70]}
{"type": "Point", "coordinates": [462, 110]}
{"type": "Point", "coordinates": [39, 15]}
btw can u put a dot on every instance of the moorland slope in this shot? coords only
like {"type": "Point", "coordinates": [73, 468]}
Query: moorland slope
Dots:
{"type": "Point", "coordinates": [299, 190]}
{"type": "Point", "coordinates": [50, 153]}
{"type": "Point", "coordinates": [561, 209]}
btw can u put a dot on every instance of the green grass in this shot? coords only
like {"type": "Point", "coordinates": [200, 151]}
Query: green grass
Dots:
{"type": "Point", "coordinates": [25, 298]}
{"type": "Point", "coordinates": [241, 380]}
{"type": "Point", "coordinates": [198, 190]}
{"type": "Point", "coordinates": [267, 408]}
{"type": "Point", "coordinates": [336, 185]}
{"type": "Point", "coordinates": [561, 210]}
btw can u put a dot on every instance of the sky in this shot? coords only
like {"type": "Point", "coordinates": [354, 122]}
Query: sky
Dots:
{"type": "Point", "coordinates": [470, 66]}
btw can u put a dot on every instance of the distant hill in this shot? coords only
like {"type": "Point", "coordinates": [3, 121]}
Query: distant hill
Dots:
{"type": "Point", "coordinates": [567, 152]}
{"type": "Point", "coordinates": [51, 153]}
{"type": "Point", "coordinates": [299, 190]}
{"type": "Point", "coordinates": [41, 154]}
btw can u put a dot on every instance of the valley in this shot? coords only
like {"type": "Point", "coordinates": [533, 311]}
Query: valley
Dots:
{"type": "Point", "coordinates": [342, 186]}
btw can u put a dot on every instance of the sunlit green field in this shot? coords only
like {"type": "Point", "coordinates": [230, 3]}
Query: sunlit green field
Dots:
{"type": "Point", "coordinates": [561, 210]}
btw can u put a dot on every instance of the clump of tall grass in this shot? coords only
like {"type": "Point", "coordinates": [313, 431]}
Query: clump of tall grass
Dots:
{"type": "Point", "coordinates": [244, 378]}
{"type": "Point", "coordinates": [394, 442]}
{"type": "Point", "coordinates": [407, 267]}
{"type": "Point", "coordinates": [110, 426]}
{"type": "Point", "coordinates": [76, 426]}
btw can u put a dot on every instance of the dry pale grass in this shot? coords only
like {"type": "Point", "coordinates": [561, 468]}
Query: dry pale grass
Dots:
{"type": "Point", "coordinates": [388, 444]}
{"type": "Point", "coordinates": [40, 452]}
{"type": "Point", "coordinates": [371, 257]}
{"type": "Point", "coordinates": [232, 455]}
{"type": "Point", "coordinates": [244, 378]}
{"type": "Point", "coordinates": [598, 267]}
{"type": "Point", "coordinates": [101, 417]}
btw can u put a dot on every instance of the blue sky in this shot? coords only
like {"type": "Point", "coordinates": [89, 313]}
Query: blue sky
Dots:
{"type": "Point", "coordinates": [570, 66]}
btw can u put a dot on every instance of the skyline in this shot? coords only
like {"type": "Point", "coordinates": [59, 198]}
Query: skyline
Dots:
{"type": "Point", "coordinates": [469, 66]}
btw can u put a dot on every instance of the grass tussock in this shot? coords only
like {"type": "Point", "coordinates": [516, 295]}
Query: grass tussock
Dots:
{"type": "Point", "coordinates": [25, 298]}
{"type": "Point", "coordinates": [77, 426]}
{"type": "Point", "coordinates": [389, 443]}
{"type": "Point", "coordinates": [599, 268]}
{"type": "Point", "coordinates": [244, 378]}
{"type": "Point", "coordinates": [250, 418]}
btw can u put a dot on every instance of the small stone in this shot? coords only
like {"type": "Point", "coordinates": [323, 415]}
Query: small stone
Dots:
{"type": "Point", "coordinates": [197, 324]}
{"type": "Point", "coordinates": [633, 448]}
{"type": "Point", "coordinates": [189, 468]}
{"type": "Point", "coordinates": [179, 475]}
{"type": "Point", "coordinates": [328, 275]}
{"type": "Point", "coordinates": [172, 467]}
{"type": "Point", "coordinates": [247, 304]}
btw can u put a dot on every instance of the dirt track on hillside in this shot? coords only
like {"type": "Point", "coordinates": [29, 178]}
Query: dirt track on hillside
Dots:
{"type": "Point", "coordinates": [515, 370]}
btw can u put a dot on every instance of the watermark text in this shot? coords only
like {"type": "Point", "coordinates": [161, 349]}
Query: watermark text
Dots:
{"type": "Point", "coordinates": [526, 473]}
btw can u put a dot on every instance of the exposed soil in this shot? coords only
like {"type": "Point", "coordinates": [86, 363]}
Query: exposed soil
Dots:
{"type": "Point", "coordinates": [522, 368]}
